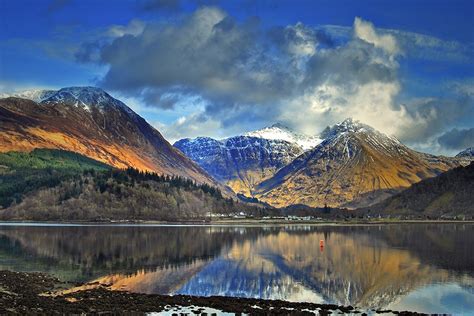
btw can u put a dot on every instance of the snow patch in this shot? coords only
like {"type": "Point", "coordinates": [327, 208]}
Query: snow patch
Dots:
{"type": "Point", "coordinates": [280, 132]}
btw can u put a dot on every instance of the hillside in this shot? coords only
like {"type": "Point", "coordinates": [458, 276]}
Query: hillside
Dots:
{"type": "Point", "coordinates": [449, 194]}
{"type": "Point", "coordinates": [354, 166]}
{"type": "Point", "coordinates": [89, 121]}
{"type": "Point", "coordinates": [98, 195]}
{"type": "Point", "coordinates": [22, 172]}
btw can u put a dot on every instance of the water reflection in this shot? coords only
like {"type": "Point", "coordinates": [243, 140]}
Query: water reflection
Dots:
{"type": "Point", "coordinates": [390, 266]}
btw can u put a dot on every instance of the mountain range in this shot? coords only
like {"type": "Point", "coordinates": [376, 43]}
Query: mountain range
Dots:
{"type": "Point", "coordinates": [349, 164]}
{"type": "Point", "coordinates": [89, 121]}
{"type": "Point", "coordinates": [242, 162]}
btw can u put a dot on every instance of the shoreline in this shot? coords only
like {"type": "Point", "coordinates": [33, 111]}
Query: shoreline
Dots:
{"type": "Point", "coordinates": [40, 293]}
{"type": "Point", "coordinates": [230, 222]}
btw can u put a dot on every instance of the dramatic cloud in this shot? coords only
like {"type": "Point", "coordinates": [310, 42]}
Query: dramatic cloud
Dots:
{"type": "Point", "coordinates": [90, 50]}
{"type": "Point", "coordinates": [248, 76]}
{"type": "Point", "coordinates": [208, 53]}
{"type": "Point", "coordinates": [457, 139]}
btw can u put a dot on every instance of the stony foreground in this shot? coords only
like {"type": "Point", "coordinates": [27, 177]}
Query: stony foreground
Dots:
{"type": "Point", "coordinates": [32, 293]}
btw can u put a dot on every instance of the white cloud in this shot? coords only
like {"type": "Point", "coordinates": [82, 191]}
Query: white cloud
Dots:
{"type": "Point", "coordinates": [326, 104]}
{"type": "Point", "coordinates": [134, 27]}
{"type": "Point", "coordinates": [366, 32]}
{"type": "Point", "coordinates": [189, 126]}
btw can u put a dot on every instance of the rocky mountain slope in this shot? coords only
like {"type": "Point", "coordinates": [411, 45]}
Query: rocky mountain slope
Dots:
{"type": "Point", "coordinates": [354, 166]}
{"type": "Point", "coordinates": [242, 162]}
{"type": "Point", "coordinates": [89, 121]}
{"type": "Point", "coordinates": [449, 194]}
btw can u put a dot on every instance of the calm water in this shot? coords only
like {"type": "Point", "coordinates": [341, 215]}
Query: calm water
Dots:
{"type": "Point", "coordinates": [426, 268]}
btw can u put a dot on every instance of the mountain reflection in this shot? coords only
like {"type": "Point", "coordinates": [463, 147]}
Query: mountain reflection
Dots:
{"type": "Point", "coordinates": [367, 266]}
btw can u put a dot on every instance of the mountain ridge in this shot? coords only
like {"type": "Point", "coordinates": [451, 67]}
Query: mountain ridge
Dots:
{"type": "Point", "coordinates": [353, 160]}
{"type": "Point", "coordinates": [240, 162]}
{"type": "Point", "coordinates": [352, 166]}
{"type": "Point", "coordinates": [89, 121]}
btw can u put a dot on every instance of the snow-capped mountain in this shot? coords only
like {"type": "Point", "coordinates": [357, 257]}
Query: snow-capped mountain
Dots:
{"type": "Point", "coordinates": [352, 165]}
{"type": "Point", "coordinates": [89, 121]}
{"type": "Point", "coordinates": [240, 162]}
{"type": "Point", "coordinates": [355, 165]}
{"type": "Point", "coordinates": [467, 153]}
{"type": "Point", "coordinates": [85, 97]}
{"type": "Point", "coordinates": [280, 132]}
{"type": "Point", "coordinates": [243, 161]}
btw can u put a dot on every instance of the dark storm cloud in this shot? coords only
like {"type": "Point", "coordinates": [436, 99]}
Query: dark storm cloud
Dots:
{"type": "Point", "coordinates": [457, 139]}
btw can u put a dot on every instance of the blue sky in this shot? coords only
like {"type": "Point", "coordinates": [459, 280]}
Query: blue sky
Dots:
{"type": "Point", "coordinates": [219, 68]}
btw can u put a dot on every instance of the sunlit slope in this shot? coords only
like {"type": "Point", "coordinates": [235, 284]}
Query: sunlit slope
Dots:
{"type": "Point", "coordinates": [450, 193]}
{"type": "Point", "coordinates": [90, 122]}
{"type": "Point", "coordinates": [354, 166]}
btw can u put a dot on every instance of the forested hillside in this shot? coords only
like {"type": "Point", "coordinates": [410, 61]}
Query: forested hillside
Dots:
{"type": "Point", "coordinates": [22, 172]}
{"type": "Point", "coordinates": [96, 195]}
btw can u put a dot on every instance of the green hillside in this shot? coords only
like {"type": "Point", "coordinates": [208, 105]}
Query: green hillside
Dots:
{"type": "Point", "coordinates": [22, 172]}
{"type": "Point", "coordinates": [61, 185]}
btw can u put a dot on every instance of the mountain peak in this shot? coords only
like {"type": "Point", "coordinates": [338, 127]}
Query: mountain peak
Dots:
{"type": "Point", "coordinates": [78, 90]}
{"type": "Point", "coordinates": [278, 125]}
{"type": "Point", "coordinates": [85, 97]}
{"type": "Point", "coordinates": [346, 126]}
{"type": "Point", "coordinates": [352, 125]}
